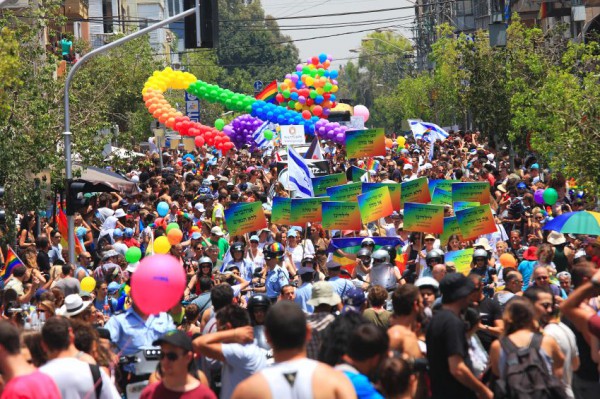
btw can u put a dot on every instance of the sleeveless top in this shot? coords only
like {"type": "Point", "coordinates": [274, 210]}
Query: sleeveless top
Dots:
{"type": "Point", "coordinates": [560, 259]}
{"type": "Point", "coordinates": [546, 358]}
{"type": "Point", "coordinates": [292, 379]}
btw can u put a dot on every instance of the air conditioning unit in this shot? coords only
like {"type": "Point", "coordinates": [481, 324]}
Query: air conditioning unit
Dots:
{"type": "Point", "coordinates": [14, 4]}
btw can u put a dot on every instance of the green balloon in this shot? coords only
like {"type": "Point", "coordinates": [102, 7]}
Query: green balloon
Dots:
{"type": "Point", "coordinates": [286, 94]}
{"type": "Point", "coordinates": [133, 255]}
{"type": "Point", "coordinates": [550, 196]}
{"type": "Point", "coordinates": [313, 94]}
{"type": "Point", "coordinates": [328, 86]}
{"type": "Point", "coordinates": [171, 226]}
{"type": "Point", "coordinates": [268, 134]}
{"type": "Point", "coordinates": [305, 69]}
{"type": "Point", "coordinates": [219, 124]}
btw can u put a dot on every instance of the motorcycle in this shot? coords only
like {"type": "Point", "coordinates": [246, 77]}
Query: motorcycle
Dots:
{"type": "Point", "coordinates": [136, 370]}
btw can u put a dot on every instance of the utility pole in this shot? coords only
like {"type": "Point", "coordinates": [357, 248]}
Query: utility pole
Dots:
{"type": "Point", "coordinates": [67, 132]}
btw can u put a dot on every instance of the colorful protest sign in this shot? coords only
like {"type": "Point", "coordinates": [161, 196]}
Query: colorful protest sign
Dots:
{"type": "Point", "coordinates": [365, 143]}
{"type": "Point", "coordinates": [245, 217]}
{"type": "Point", "coordinates": [476, 221]}
{"type": "Point", "coordinates": [471, 192]}
{"type": "Point", "coordinates": [345, 192]}
{"type": "Point", "coordinates": [341, 215]}
{"type": "Point", "coordinates": [415, 191]}
{"type": "Point", "coordinates": [394, 188]}
{"type": "Point", "coordinates": [462, 260]}
{"type": "Point", "coordinates": [281, 212]}
{"type": "Point", "coordinates": [450, 227]}
{"type": "Point", "coordinates": [375, 204]}
{"type": "Point", "coordinates": [441, 197]}
{"type": "Point", "coordinates": [462, 205]}
{"type": "Point", "coordinates": [306, 210]}
{"type": "Point", "coordinates": [442, 184]}
{"type": "Point", "coordinates": [424, 218]}
{"type": "Point", "coordinates": [357, 173]}
{"type": "Point", "coordinates": [321, 183]}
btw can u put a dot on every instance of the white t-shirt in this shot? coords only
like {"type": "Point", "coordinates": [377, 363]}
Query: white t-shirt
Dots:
{"type": "Point", "coordinates": [74, 380]}
{"type": "Point", "coordinates": [298, 253]}
{"type": "Point", "coordinates": [241, 361]}
{"type": "Point", "coordinates": [568, 346]}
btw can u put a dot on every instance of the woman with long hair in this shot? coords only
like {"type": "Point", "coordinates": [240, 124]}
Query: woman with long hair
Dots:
{"type": "Point", "coordinates": [453, 243]}
{"type": "Point", "coordinates": [26, 231]}
{"type": "Point", "coordinates": [520, 327]}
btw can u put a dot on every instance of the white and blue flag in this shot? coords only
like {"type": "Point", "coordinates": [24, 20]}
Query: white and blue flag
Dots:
{"type": "Point", "coordinates": [419, 128]}
{"type": "Point", "coordinates": [259, 136]}
{"type": "Point", "coordinates": [299, 175]}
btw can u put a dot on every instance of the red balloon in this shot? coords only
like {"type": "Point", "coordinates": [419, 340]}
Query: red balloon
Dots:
{"type": "Point", "coordinates": [317, 110]}
{"type": "Point", "coordinates": [306, 114]}
{"type": "Point", "coordinates": [199, 141]}
{"type": "Point", "coordinates": [279, 98]}
{"type": "Point", "coordinates": [310, 101]}
{"type": "Point", "coordinates": [315, 60]}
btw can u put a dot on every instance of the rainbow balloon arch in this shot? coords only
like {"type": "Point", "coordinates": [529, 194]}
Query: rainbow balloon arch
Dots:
{"type": "Point", "coordinates": [305, 97]}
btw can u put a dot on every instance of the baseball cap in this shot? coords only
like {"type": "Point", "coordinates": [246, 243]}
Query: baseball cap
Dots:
{"type": "Point", "coordinates": [216, 231]}
{"type": "Point", "coordinates": [456, 286]}
{"type": "Point", "coordinates": [407, 166]}
{"type": "Point", "coordinates": [199, 207]}
{"type": "Point", "coordinates": [117, 233]}
{"type": "Point", "coordinates": [534, 166]}
{"type": "Point", "coordinates": [113, 287]}
{"type": "Point", "coordinates": [196, 235]}
{"type": "Point", "coordinates": [353, 300]}
{"type": "Point", "coordinates": [254, 238]}
{"type": "Point", "coordinates": [305, 270]}
{"type": "Point", "coordinates": [333, 264]}
{"type": "Point", "coordinates": [119, 213]}
{"type": "Point", "coordinates": [176, 338]}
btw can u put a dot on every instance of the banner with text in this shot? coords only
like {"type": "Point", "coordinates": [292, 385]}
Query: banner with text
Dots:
{"type": "Point", "coordinates": [416, 191]}
{"type": "Point", "coordinates": [375, 204]}
{"type": "Point", "coordinates": [292, 134]}
{"type": "Point", "coordinates": [424, 218]}
{"type": "Point", "coordinates": [471, 192]}
{"type": "Point", "coordinates": [281, 212]}
{"type": "Point", "coordinates": [394, 188]}
{"type": "Point", "coordinates": [365, 143]}
{"type": "Point", "coordinates": [462, 260]}
{"type": "Point", "coordinates": [245, 217]}
{"type": "Point", "coordinates": [441, 197]}
{"type": "Point", "coordinates": [305, 210]}
{"type": "Point", "coordinates": [341, 215]}
{"type": "Point", "coordinates": [345, 192]}
{"type": "Point", "coordinates": [451, 227]}
{"type": "Point", "coordinates": [320, 184]}
{"type": "Point", "coordinates": [476, 221]}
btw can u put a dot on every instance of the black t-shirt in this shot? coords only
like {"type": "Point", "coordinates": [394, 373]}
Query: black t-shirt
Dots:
{"type": "Point", "coordinates": [43, 261]}
{"type": "Point", "coordinates": [588, 370]}
{"type": "Point", "coordinates": [490, 311]}
{"type": "Point", "coordinates": [446, 336]}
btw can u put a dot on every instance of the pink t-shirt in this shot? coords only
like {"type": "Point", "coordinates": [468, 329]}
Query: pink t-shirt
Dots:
{"type": "Point", "coordinates": [31, 386]}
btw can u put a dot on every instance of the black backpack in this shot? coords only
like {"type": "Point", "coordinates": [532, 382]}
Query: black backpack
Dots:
{"type": "Point", "coordinates": [525, 374]}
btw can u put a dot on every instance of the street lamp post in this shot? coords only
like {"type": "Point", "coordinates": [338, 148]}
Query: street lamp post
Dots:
{"type": "Point", "coordinates": [67, 133]}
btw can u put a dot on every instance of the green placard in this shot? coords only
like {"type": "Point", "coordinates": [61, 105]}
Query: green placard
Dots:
{"type": "Point", "coordinates": [365, 143]}
{"type": "Point", "coordinates": [345, 192]}
{"type": "Point", "coordinates": [281, 212]}
{"type": "Point", "coordinates": [321, 183]}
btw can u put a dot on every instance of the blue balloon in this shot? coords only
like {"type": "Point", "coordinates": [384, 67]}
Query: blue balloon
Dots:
{"type": "Point", "coordinates": [270, 115]}
{"type": "Point", "coordinates": [322, 57]}
{"type": "Point", "coordinates": [299, 84]}
{"type": "Point", "coordinates": [319, 99]}
{"type": "Point", "coordinates": [294, 96]}
{"type": "Point", "coordinates": [281, 120]}
{"type": "Point", "coordinates": [332, 97]}
{"type": "Point", "coordinates": [333, 74]}
{"type": "Point", "coordinates": [162, 208]}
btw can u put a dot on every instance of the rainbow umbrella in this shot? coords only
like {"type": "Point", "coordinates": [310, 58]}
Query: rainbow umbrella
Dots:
{"type": "Point", "coordinates": [583, 222]}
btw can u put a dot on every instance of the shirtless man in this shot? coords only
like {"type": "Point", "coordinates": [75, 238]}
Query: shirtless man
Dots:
{"type": "Point", "coordinates": [407, 303]}
{"type": "Point", "coordinates": [293, 375]}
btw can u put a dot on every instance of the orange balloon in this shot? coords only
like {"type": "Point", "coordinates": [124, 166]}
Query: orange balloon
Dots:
{"type": "Point", "coordinates": [163, 118]}
{"type": "Point", "coordinates": [389, 143]}
{"type": "Point", "coordinates": [175, 236]}
{"type": "Point", "coordinates": [152, 108]}
{"type": "Point", "coordinates": [507, 260]}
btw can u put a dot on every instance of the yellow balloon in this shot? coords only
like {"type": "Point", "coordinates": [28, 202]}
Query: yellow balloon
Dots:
{"type": "Point", "coordinates": [162, 245]}
{"type": "Point", "coordinates": [88, 284]}
{"type": "Point", "coordinates": [401, 141]}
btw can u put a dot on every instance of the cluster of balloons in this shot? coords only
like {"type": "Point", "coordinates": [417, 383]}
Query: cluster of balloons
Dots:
{"type": "Point", "coordinates": [241, 130]}
{"type": "Point", "coordinates": [310, 89]}
{"type": "Point", "coordinates": [215, 94]}
{"type": "Point", "coordinates": [331, 131]}
{"type": "Point", "coordinates": [158, 283]}
{"type": "Point", "coordinates": [277, 114]}
{"type": "Point", "coordinates": [548, 196]}
{"type": "Point", "coordinates": [160, 109]}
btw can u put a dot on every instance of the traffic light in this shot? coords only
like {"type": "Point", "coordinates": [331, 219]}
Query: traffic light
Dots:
{"type": "Point", "coordinates": [75, 196]}
{"type": "Point", "coordinates": [209, 24]}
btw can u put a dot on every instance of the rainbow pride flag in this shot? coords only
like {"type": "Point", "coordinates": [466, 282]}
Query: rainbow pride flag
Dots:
{"type": "Point", "coordinates": [63, 227]}
{"type": "Point", "coordinates": [12, 261]}
{"type": "Point", "coordinates": [373, 165]}
{"type": "Point", "coordinates": [269, 93]}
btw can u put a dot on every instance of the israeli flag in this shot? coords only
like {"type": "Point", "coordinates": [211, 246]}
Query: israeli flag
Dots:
{"type": "Point", "coordinates": [419, 128]}
{"type": "Point", "coordinates": [299, 175]}
{"type": "Point", "coordinates": [259, 136]}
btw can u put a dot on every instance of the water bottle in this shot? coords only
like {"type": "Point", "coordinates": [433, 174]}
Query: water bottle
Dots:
{"type": "Point", "coordinates": [105, 309]}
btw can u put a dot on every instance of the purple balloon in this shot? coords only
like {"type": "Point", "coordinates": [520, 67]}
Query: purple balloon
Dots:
{"type": "Point", "coordinates": [340, 137]}
{"type": "Point", "coordinates": [538, 196]}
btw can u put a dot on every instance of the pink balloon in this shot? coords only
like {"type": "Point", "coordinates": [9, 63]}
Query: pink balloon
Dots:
{"type": "Point", "coordinates": [361, 110]}
{"type": "Point", "coordinates": [158, 284]}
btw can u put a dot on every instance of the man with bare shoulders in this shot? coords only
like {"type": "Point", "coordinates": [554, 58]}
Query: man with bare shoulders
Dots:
{"type": "Point", "coordinates": [408, 304]}
{"type": "Point", "coordinates": [293, 375]}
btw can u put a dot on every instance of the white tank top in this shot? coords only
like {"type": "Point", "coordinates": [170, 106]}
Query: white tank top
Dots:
{"type": "Point", "coordinates": [292, 379]}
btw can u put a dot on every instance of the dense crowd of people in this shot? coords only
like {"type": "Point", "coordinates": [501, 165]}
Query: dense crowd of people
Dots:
{"type": "Point", "coordinates": [274, 314]}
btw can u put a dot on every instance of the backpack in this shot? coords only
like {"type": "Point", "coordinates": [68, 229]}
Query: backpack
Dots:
{"type": "Point", "coordinates": [525, 374]}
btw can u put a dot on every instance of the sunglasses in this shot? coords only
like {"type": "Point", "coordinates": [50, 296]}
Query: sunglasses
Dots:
{"type": "Point", "coordinates": [170, 356]}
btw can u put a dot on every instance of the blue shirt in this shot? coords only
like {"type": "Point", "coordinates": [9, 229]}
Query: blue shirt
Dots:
{"type": "Point", "coordinates": [275, 280]}
{"type": "Point", "coordinates": [129, 332]}
{"type": "Point", "coordinates": [340, 285]}
{"type": "Point", "coordinates": [303, 295]}
{"type": "Point", "coordinates": [526, 270]}
{"type": "Point", "coordinates": [363, 387]}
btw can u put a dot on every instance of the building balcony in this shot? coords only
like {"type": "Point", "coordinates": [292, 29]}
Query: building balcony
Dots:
{"type": "Point", "coordinates": [76, 8]}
